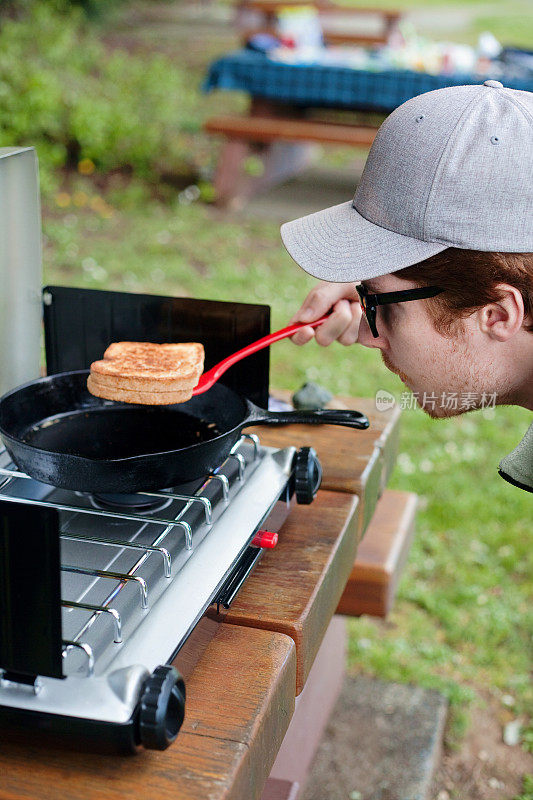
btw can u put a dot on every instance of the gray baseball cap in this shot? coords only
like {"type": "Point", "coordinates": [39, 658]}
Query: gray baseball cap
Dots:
{"type": "Point", "coordinates": [449, 168]}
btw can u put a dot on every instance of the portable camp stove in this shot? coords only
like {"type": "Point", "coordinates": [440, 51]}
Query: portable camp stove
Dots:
{"type": "Point", "coordinates": [88, 643]}
{"type": "Point", "coordinates": [99, 593]}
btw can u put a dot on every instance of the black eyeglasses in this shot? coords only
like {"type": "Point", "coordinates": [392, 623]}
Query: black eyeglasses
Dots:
{"type": "Point", "coordinates": [370, 302]}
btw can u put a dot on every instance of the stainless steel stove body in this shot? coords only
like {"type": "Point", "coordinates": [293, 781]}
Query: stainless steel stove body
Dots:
{"type": "Point", "coordinates": [133, 584]}
{"type": "Point", "coordinates": [95, 599]}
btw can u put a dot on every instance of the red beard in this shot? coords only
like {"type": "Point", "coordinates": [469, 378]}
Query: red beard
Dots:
{"type": "Point", "coordinates": [403, 377]}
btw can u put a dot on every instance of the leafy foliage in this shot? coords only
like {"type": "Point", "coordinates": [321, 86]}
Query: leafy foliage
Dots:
{"type": "Point", "coordinates": [92, 8]}
{"type": "Point", "coordinates": [73, 100]}
{"type": "Point", "coordinates": [527, 789]}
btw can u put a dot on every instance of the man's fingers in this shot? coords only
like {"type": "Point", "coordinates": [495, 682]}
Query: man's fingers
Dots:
{"type": "Point", "coordinates": [339, 320]}
{"type": "Point", "coordinates": [303, 336]}
{"type": "Point", "coordinates": [343, 322]}
{"type": "Point", "coordinates": [320, 299]}
{"type": "Point", "coordinates": [351, 333]}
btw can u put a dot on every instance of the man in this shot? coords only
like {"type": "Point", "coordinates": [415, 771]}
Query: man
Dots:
{"type": "Point", "coordinates": [436, 249]}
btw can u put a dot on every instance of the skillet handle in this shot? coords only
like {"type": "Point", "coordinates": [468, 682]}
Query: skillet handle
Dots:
{"type": "Point", "coordinates": [320, 416]}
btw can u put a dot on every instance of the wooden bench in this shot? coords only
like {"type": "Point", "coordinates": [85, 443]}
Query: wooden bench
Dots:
{"type": "Point", "coordinates": [276, 142]}
{"type": "Point", "coordinates": [270, 129]}
{"type": "Point", "coordinates": [381, 556]}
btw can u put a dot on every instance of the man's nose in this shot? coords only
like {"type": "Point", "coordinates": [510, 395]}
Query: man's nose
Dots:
{"type": "Point", "coordinates": [367, 339]}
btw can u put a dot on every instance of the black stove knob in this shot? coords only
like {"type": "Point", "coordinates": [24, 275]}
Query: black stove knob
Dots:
{"type": "Point", "coordinates": [162, 708]}
{"type": "Point", "coordinates": [308, 475]}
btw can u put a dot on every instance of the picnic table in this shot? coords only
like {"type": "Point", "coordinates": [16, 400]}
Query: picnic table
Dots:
{"type": "Point", "coordinates": [287, 105]}
{"type": "Point", "coordinates": [263, 679]}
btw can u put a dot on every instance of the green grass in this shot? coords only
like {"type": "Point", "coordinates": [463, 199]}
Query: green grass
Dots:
{"type": "Point", "coordinates": [511, 22]}
{"type": "Point", "coordinates": [527, 789]}
{"type": "Point", "coordinates": [463, 619]}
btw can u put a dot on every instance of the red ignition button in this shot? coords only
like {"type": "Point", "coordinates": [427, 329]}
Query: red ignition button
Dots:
{"type": "Point", "coordinates": [267, 539]}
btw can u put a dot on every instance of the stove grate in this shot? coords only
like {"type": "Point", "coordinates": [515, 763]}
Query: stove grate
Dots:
{"type": "Point", "coordinates": [131, 550]}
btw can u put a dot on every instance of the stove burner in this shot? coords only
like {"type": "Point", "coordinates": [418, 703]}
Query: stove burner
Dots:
{"type": "Point", "coordinates": [129, 502]}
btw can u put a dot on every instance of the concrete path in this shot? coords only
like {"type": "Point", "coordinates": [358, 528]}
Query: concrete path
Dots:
{"type": "Point", "coordinates": [383, 742]}
{"type": "Point", "coordinates": [317, 187]}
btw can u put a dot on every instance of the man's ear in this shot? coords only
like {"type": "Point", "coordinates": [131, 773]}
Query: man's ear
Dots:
{"type": "Point", "coordinates": [502, 319]}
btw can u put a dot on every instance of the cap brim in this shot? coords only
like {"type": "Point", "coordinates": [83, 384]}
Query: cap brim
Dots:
{"type": "Point", "coordinates": [340, 245]}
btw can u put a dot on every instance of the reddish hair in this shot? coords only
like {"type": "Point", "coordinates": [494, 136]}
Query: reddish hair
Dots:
{"type": "Point", "coordinates": [470, 278]}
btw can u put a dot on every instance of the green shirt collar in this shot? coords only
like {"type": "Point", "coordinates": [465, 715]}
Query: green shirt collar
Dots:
{"type": "Point", "coordinates": [517, 466]}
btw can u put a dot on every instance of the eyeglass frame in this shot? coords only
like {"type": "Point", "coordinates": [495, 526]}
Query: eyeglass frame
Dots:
{"type": "Point", "coordinates": [370, 301]}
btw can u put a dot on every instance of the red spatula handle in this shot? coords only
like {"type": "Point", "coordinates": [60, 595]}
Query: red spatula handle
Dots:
{"type": "Point", "coordinates": [212, 375]}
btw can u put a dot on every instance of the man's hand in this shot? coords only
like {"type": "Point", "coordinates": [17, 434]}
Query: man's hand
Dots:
{"type": "Point", "coordinates": [343, 323]}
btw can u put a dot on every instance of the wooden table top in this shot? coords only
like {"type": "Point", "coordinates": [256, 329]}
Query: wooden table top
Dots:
{"type": "Point", "coordinates": [241, 687]}
{"type": "Point", "coordinates": [238, 709]}
{"type": "Point", "coordinates": [353, 461]}
{"type": "Point", "coordinates": [296, 586]}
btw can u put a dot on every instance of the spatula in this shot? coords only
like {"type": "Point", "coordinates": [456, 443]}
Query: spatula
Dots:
{"type": "Point", "coordinates": [212, 375]}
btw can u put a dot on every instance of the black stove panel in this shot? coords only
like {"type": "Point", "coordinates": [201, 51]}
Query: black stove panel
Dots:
{"type": "Point", "coordinates": [81, 323]}
{"type": "Point", "coordinates": [30, 610]}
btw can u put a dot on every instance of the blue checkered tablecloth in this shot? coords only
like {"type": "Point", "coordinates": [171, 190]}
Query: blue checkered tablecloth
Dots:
{"type": "Point", "coordinates": [331, 86]}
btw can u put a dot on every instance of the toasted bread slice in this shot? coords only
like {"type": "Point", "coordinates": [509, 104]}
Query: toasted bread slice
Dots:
{"type": "Point", "coordinates": [147, 373]}
{"type": "Point", "coordinates": [145, 398]}
{"type": "Point", "coordinates": [144, 384]}
{"type": "Point", "coordinates": [144, 366]}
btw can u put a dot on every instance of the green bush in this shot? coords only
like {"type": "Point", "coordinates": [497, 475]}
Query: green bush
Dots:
{"type": "Point", "coordinates": [61, 91]}
{"type": "Point", "coordinates": [92, 8]}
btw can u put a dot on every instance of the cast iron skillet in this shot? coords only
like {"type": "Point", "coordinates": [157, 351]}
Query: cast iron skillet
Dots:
{"type": "Point", "coordinates": [58, 433]}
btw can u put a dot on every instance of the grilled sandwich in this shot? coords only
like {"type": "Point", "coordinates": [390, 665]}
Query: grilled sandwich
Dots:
{"type": "Point", "coordinates": [147, 373]}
